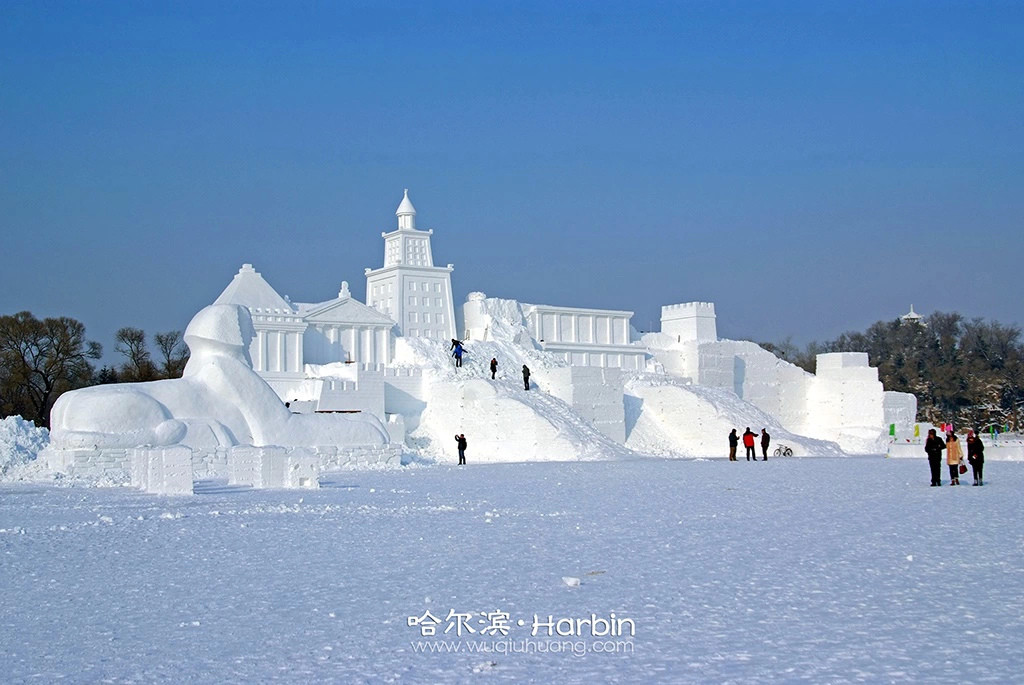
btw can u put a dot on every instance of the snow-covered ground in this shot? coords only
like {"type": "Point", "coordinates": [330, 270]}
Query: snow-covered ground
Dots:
{"type": "Point", "coordinates": [821, 570]}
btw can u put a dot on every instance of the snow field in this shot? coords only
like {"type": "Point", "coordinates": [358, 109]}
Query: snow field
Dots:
{"type": "Point", "coordinates": [816, 570]}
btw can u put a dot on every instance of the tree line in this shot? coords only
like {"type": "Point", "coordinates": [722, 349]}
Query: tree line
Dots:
{"type": "Point", "coordinates": [966, 372]}
{"type": "Point", "coordinates": [40, 359]}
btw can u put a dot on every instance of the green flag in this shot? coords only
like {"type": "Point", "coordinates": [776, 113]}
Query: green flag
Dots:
{"type": "Point", "coordinates": [892, 429]}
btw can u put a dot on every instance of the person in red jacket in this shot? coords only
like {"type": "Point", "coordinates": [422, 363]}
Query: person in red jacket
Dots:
{"type": "Point", "coordinates": [748, 442]}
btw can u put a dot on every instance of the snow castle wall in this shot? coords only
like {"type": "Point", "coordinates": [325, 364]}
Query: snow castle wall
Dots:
{"type": "Point", "coordinates": [757, 376]}
{"type": "Point", "coordinates": [844, 402]}
{"type": "Point", "coordinates": [594, 393]}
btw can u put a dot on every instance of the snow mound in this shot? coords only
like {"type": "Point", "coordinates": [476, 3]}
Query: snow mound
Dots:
{"type": "Point", "coordinates": [502, 421]}
{"type": "Point", "coordinates": [20, 443]}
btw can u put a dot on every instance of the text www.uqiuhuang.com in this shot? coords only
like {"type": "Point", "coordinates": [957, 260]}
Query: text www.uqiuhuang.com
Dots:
{"type": "Point", "coordinates": [524, 646]}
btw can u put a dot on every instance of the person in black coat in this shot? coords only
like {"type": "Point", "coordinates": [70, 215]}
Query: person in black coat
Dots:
{"type": "Point", "coordinates": [494, 367]}
{"type": "Point", "coordinates": [765, 441]}
{"type": "Point", "coordinates": [975, 455]}
{"type": "Point", "coordinates": [933, 447]}
{"type": "Point", "coordinates": [526, 377]}
{"type": "Point", "coordinates": [460, 440]}
{"type": "Point", "coordinates": [734, 441]}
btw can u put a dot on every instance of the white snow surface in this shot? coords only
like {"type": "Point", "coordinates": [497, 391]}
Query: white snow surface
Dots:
{"type": "Point", "coordinates": [819, 570]}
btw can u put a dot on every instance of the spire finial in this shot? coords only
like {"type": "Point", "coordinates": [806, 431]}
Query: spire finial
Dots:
{"type": "Point", "coordinates": [406, 213]}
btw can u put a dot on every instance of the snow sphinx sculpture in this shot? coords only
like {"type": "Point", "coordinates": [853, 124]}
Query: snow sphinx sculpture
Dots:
{"type": "Point", "coordinates": [219, 402]}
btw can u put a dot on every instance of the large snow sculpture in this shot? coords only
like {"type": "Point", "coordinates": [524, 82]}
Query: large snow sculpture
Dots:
{"type": "Point", "coordinates": [219, 402]}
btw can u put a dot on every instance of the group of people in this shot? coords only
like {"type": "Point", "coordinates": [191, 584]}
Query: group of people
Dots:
{"type": "Point", "coordinates": [458, 349]}
{"type": "Point", "coordinates": [749, 442]}
{"type": "Point", "coordinates": [934, 445]}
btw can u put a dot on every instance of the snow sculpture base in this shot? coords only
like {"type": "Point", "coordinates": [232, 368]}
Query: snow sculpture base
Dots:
{"type": "Point", "coordinates": [162, 470]}
{"type": "Point", "coordinates": [274, 467]}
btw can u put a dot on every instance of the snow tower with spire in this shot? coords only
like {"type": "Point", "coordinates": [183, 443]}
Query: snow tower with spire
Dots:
{"type": "Point", "coordinates": [416, 294]}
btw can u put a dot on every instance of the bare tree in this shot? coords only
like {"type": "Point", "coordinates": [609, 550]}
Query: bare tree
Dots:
{"type": "Point", "coordinates": [40, 360]}
{"type": "Point", "coordinates": [131, 342]}
{"type": "Point", "coordinates": [173, 353]}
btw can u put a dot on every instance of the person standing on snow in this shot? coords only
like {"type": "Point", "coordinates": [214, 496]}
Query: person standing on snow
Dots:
{"type": "Point", "coordinates": [526, 377]}
{"type": "Point", "coordinates": [734, 441]}
{"type": "Point", "coordinates": [457, 353]}
{"type": "Point", "coordinates": [748, 443]}
{"type": "Point", "coordinates": [765, 441]}
{"type": "Point", "coordinates": [933, 447]}
{"type": "Point", "coordinates": [494, 367]}
{"type": "Point", "coordinates": [954, 455]}
{"type": "Point", "coordinates": [975, 455]}
{"type": "Point", "coordinates": [460, 440]}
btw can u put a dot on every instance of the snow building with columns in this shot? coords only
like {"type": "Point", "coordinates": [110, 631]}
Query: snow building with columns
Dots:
{"type": "Point", "coordinates": [336, 355]}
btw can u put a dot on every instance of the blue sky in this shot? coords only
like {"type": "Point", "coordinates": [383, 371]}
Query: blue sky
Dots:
{"type": "Point", "coordinates": [809, 167]}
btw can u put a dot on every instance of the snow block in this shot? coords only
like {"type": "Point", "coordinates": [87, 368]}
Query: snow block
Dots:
{"type": "Point", "coordinates": [595, 394]}
{"type": "Point", "coordinates": [396, 428]}
{"type": "Point", "coordinates": [162, 470]}
{"type": "Point", "coordinates": [345, 457]}
{"type": "Point", "coordinates": [295, 468]}
{"type": "Point", "coordinates": [245, 464]}
{"type": "Point", "coordinates": [110, 465]}
{"type": "Point", "coordinates": [274, 467]}
{"type": "Point", "coordinates": [210, 463]}
{"type": "Point", "coordinates": [900, 408]}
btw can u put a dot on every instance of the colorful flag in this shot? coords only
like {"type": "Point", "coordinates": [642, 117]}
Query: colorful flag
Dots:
{"type": "Point", "coordinates": [917, 430]}
{"type": "Point", "coordinates": [892, 429]}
